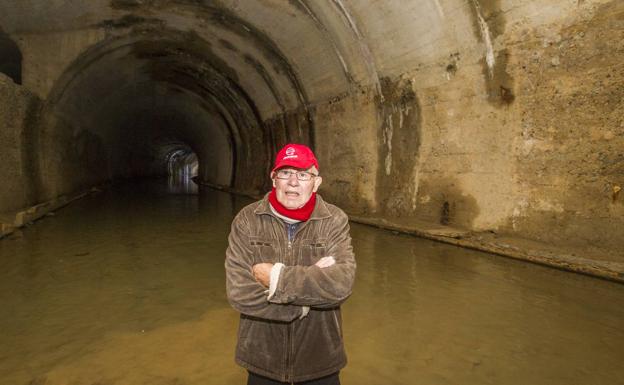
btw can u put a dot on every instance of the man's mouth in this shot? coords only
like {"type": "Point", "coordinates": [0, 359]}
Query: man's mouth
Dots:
{"type": "Point", "coordinates": [292, 194]}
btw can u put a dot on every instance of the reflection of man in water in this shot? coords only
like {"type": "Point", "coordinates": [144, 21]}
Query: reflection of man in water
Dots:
{"type": "Point", "coordinates": [289, 266]}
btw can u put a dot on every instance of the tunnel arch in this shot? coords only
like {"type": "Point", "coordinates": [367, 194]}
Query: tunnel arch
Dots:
{"type": "Point", "coordinates": [200, 49]}
{"type": "Point", "coordinates": [10, 58]}
{"type": "Point", "coordinates": [262, 86]}
{"type": "Point", "coordinates": [194, 76]}
{"type": "Point", "coordinates": [261, 101]}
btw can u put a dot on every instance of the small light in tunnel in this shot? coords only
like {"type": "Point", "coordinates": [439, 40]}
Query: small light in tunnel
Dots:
{"type": "Point", "coordinates": [182, 162]}
{"type": "Point", "coordinates": [182, 165]}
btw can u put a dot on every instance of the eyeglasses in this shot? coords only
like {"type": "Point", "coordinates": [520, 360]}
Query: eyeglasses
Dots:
{"type": "Point", "coordinates": [301, 175]}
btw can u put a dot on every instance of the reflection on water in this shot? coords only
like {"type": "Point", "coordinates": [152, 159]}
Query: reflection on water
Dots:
{"type": "Point", "coordinates": [181, 183]}
{"type": "Point", "coordinates": [127, 287]}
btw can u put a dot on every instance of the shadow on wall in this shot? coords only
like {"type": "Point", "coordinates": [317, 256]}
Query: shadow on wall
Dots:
{"type": "Point", "coordinates": [10, 58]}
{"type": "Point", "coordinates": [442, 201]}
{"type": "Point", "coordinates": [400, 121]}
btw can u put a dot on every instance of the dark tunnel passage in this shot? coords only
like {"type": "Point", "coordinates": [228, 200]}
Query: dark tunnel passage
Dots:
{"type": "Point", "coordinates": [124, 103]}
{"type": "Point", "coordinates": [10, 58]}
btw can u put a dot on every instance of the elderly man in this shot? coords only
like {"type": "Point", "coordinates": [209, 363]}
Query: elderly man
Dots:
{"type": "Point", "coordinates": [289, 265]}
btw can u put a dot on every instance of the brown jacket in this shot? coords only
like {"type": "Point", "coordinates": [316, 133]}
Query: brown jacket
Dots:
{"type": "Point", "coordinates": [273, 340]}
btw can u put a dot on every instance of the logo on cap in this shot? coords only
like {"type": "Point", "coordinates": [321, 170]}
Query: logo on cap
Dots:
{"type": "Point", "coordinates": [295, 155]}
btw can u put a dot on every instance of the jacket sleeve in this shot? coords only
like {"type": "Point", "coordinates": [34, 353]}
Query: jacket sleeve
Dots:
{"type": "Point", "coordinates": [321, 288]}
{"type": "Point", "coordinates": [244, 293]}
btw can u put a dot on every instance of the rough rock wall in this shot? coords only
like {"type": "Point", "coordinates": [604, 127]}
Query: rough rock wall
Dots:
{"type": "Point", "coordinates": [521, 134]}
{"type": "Point", "coordinates": [346, 145]}
{"type": "Point", "coordinates": [18, 114]}
{"type": "Point", "coordinates": [570, 151]}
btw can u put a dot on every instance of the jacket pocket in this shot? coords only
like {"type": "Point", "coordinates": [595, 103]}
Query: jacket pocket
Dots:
{"type": "Point", "coordinates": [312, 250]}
{"type": "Point", "coordinates": [263, 249]}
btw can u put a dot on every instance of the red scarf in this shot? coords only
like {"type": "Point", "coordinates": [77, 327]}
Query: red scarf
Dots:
{"type": "Point", "coordinates": [301, 214]}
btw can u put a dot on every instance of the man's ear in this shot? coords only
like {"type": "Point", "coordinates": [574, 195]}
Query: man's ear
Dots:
{"type": "Point", "coordinates": [273, 178]}
{"type": "Point", "coordinates": [317, 182]}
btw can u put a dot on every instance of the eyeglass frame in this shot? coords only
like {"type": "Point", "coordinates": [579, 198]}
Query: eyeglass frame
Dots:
{"type": "Point", "coordinates": [292, 172]}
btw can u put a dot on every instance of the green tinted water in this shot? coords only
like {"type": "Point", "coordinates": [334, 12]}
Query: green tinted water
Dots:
{"type": "Point", "coordinates": [127, 287]}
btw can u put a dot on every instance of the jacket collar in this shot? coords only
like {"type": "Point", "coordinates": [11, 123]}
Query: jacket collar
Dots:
{"type": "Point", "coordinates": [321, 211]}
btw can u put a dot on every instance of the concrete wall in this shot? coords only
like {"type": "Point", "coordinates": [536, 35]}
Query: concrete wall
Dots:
{"type": "Point", "coordinates": [511, 123]}
{"type": "Point", "coordinates": [18, 114]}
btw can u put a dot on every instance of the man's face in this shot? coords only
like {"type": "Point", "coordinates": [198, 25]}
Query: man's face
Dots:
{"type": "Point", "coordinates": [292, 192]}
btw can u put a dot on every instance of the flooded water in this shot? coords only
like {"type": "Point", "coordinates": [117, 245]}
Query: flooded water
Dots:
{"type": "Point", "coordinates": [127, 287]}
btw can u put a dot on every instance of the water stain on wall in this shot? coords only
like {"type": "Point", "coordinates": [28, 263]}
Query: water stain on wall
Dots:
{"type": "Point", "coordinates": [126, 4]}
{"type": "Point", "coordinates": [491, 12]}
{"type": "Point", "coordinates": [129, 21]}
{"type": "Point", "coordinates": [227, 45]}
{"type": "Point", "coordinates": [488, 23]}
{"type": "Point", "coordinates": [442, 201]}
{"type": "Point", "coordinates": [400, 117]}
{"type": "Point", "coordinates": [499, 84]}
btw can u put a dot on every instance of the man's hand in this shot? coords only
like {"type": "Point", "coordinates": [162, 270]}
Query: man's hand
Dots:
{"type": "Point", "coordinates": [325, 262]}
{"type": "Point", "coordinates": [262, 273]}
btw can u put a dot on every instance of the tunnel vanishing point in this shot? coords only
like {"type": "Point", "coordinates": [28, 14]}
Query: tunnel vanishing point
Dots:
{"type": "Point", "coordinates": [490, 124]}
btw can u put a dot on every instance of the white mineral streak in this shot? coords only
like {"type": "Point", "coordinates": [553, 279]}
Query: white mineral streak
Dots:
{"type": "Point", "coordinates": [487, 39]}
{"type": "Point", "coordinates": [439, 8]}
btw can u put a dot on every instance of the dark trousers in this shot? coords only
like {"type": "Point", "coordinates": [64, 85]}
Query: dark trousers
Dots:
{"type": "Point", "coordinates": [255, 379]}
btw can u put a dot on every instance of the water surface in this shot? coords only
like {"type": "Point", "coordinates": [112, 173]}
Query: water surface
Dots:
{"type": "Point", "coordinates": [127, 287]}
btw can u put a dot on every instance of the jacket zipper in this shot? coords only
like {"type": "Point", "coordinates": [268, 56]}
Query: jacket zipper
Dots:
{"type": "Point", "coordinates": [289, 363]}
{"type": "Point", "coordinates": [291, 332]}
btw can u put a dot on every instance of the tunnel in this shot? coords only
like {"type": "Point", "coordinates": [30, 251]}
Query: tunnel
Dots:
{"type": "Point", "coordinates": [496, 126]}
{"type": "Point", "coordinates": [466, 121]}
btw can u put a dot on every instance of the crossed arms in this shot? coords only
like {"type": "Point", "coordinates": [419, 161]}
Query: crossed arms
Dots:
{"type": "Point", "coordinates": [325, 284]}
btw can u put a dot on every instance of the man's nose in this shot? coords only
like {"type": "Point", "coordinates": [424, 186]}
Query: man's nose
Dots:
{"type": "Point", "coordinates": [292, 180]}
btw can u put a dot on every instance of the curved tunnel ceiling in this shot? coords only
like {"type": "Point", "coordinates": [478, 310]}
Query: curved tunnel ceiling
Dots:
{"type": "Point", "coordinates": [250, 73]}
{"type": "Point", "coordinates": [252, 42]}
{"type": "Point", "coordinates": [223, 63]}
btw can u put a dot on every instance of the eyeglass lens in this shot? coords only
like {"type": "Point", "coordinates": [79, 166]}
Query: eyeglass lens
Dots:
{"type": "Point", "coordinates": [301, 175]}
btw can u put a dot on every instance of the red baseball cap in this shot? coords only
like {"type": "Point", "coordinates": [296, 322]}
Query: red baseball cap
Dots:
{"type": "Point", "coordinates": [295, 155]}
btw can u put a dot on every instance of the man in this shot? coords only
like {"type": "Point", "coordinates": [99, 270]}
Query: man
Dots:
{"type": "Point", "coordinates": [289, 265]}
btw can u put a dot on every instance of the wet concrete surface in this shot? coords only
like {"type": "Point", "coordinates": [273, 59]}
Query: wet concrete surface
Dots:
{"type": "Point", "coordinates": [127, 287]}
